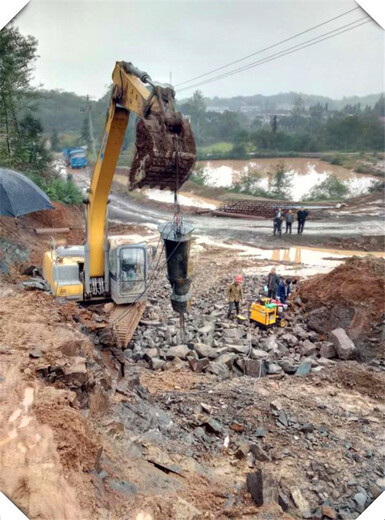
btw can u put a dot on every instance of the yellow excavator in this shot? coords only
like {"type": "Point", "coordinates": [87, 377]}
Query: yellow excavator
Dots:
{"type": "Point", "coordinates": [115, 268]}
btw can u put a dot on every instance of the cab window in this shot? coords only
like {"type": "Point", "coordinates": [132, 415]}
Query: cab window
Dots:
{"type": "Point", "coordinates": [132, 270]}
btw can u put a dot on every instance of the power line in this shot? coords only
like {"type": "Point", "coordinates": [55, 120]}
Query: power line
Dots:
{"type": "Point", "coordinates": [296, 47]}
{"type": "Point", "coordinates": [267, 48]}
{"type": "Point", "coordinates": [286, 52]}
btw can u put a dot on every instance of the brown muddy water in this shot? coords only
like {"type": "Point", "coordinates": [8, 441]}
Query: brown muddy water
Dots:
{"type": "Point", "coordinates": [305, 174]}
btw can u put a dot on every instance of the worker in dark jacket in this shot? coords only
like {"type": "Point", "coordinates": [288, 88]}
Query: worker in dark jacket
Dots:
{"type": "Point", "coordinates": [301, 216]}
{"type": "Point", "coordinates": [289, 221]}
{"type": "Point", "coordinates": [272, 283]}
{"type": "Point", "coordinates": [234, 293]}
{"type": "Point", "coordinates": [278, 222]}
{"type": "Point", "coordinates": [284, 290]}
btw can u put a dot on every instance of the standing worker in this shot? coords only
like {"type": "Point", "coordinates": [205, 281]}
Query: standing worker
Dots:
{"type": "Point", "coordinates": [234, 294]}
{"type": "Point", "coordinates": [301, 216]}
{"type": "Point", "coordinates": [278, 222]}
{"type": "Point", "coordinates": [289, 221]}
{"type": "Point", "coordinates": [272, 283]}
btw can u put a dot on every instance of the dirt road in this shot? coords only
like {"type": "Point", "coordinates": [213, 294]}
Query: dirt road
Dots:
{"type": "Point", "coordinates": [345, 224]}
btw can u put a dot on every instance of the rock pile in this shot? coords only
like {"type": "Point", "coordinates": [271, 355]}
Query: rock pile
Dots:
{"type": "Point", "coordinates": [229, 348]}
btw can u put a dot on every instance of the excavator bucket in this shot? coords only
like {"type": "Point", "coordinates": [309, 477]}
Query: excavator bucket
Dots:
{"type": "Point", "coordinates": [165, 146]}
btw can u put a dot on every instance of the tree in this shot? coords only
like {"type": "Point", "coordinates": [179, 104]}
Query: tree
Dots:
{"type": "Point", "coordinates": [379, 107]}
{"type": "Point", "coordinates": [281, 184]}
{"type": "Point", "coordinates": [332, 188]}
{"type": "Point", "coordinates": [195, 107]}
{"type": "Point", "coordinates": [17, 56]}
{"type": "Point", "coordinates": [30, 146]}
{"type": "Point", "coordinates": [274, 124]}
{"type": "Point", "coordinates": [55, 146]}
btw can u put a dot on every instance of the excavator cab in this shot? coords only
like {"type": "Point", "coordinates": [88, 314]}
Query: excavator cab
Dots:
{"type": "Point", "coordinates": [128, 268]}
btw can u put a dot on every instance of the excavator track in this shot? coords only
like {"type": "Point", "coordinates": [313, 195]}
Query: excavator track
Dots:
{"type": "Point", "coordinates": [125, 319]}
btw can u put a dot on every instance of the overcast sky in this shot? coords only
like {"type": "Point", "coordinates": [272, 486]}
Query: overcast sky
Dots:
{"type": "Point", "coordinates": [79, 42]}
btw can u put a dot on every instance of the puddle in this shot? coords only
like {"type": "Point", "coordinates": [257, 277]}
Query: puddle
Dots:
{"type": "Point", "coordinates": [297, 261]}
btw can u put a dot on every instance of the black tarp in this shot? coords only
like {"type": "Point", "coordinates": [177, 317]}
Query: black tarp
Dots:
{"type": "Point", "coordinates": [19, 195]}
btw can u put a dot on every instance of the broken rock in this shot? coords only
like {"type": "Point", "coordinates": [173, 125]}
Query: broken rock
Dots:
{"type": "Point", "coordinates": [299, 500]}
{"type": "Point", "coordinates": [287, 365]}
{"type": "Point", "coordinates": [271, 343]}
{"type": "Point", "coordinates": [256, 353]}
{"type": "Point", "coordinates": [303, 369]}
{"type": "Point", "coordinates": [308, 348]}
{"type": "Point", "coordinates": [213, 426]}
{"type": "Point", "coordinates": [198, 365]}
{"type": "Point", "coordinates": [157, 363]}
{"type": "Point", "coordinates": [238, 349]}
{"type": "Point", "coordinates": [343, 344]}
{"type": "Point", "coordinates": [218, 369]}
{"type": "Point", "coordinates": [259, 453]}
{"type": "Point", "coordinates": [290, 339]}
{"type": "Point", "coordinates": [179, 351]}
{"type": "Point", "coordinates": [205, 351]}
{"type": "Point", "coordinates": [328, 350]}
{"type": "Point", "coordinates": [254, 484]}
{"type": "Point", "coordinates": [255, 367]}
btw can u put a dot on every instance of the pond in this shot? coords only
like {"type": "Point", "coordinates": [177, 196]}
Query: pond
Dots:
{"type": "Point", "coordinates": [305, 174]}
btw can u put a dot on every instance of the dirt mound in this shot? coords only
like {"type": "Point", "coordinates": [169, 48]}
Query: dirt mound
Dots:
{"type": "Point", "coordinates": [20, 244]}
{"type": "Point", "coordinates": [351, 296]}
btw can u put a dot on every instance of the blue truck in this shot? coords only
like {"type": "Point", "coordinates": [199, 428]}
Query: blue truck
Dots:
{"type": "Point", "coordinates": [75, 157]}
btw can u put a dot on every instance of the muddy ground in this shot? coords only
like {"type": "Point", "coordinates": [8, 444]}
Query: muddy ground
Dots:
{"type": "Point", "coordinates": [91, 432]}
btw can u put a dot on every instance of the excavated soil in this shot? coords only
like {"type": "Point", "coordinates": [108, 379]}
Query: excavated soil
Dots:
{"type": "Point", "coordinates": [351, 296]}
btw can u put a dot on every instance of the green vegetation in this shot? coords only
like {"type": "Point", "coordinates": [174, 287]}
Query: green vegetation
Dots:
{"type": "Point", "coordinates": [64, 191]}
{"type": "Point", "coordinates": [23, 144]}
{"type": "Point", "coordinates": [307, 130]}
{"type": "Point", "coordinates": [281, 184]}
{"type": "Point", "coordinates": [331, 188]}
{"type": "Point", "coordinates": [215, 149]}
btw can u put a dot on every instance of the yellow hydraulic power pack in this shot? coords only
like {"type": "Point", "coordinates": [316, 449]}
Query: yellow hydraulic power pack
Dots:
{"type": "Point", "coordinates": [266, 313]}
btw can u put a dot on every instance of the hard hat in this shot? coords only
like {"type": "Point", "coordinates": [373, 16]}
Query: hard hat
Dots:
{"type": "Point", "coordinates": [239, 278]}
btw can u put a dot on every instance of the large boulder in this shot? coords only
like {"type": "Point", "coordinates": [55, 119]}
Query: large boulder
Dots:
{"type": "Point", "coordinates": [343, 344]}
{"type": "Point", "coordinates": [239, 349]}
{"type": "Point", "coordinates": [179, 351]}
{"type": "Point", "coordinates": [205, 351]}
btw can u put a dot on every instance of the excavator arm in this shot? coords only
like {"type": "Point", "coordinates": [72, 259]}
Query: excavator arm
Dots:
{"type": "Point", "coordinates": [165, 155]}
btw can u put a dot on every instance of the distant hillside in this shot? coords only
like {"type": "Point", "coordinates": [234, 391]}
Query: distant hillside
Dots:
{"type": "Point", "coordinates": [64, 111]}
{"type": "Point", "coordinates": [285, 100]}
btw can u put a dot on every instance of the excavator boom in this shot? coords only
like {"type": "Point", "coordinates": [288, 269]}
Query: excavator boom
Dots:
{"type": "Point", "coordinates": [165, 151]}
{"type": "Point", "coordinates": [164, 157]}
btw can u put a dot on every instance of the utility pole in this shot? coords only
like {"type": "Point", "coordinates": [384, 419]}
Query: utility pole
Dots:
{"type": "Point", "coordinates": [170, 78]}
{"type": "Point", "coordinates": [90, 126]}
